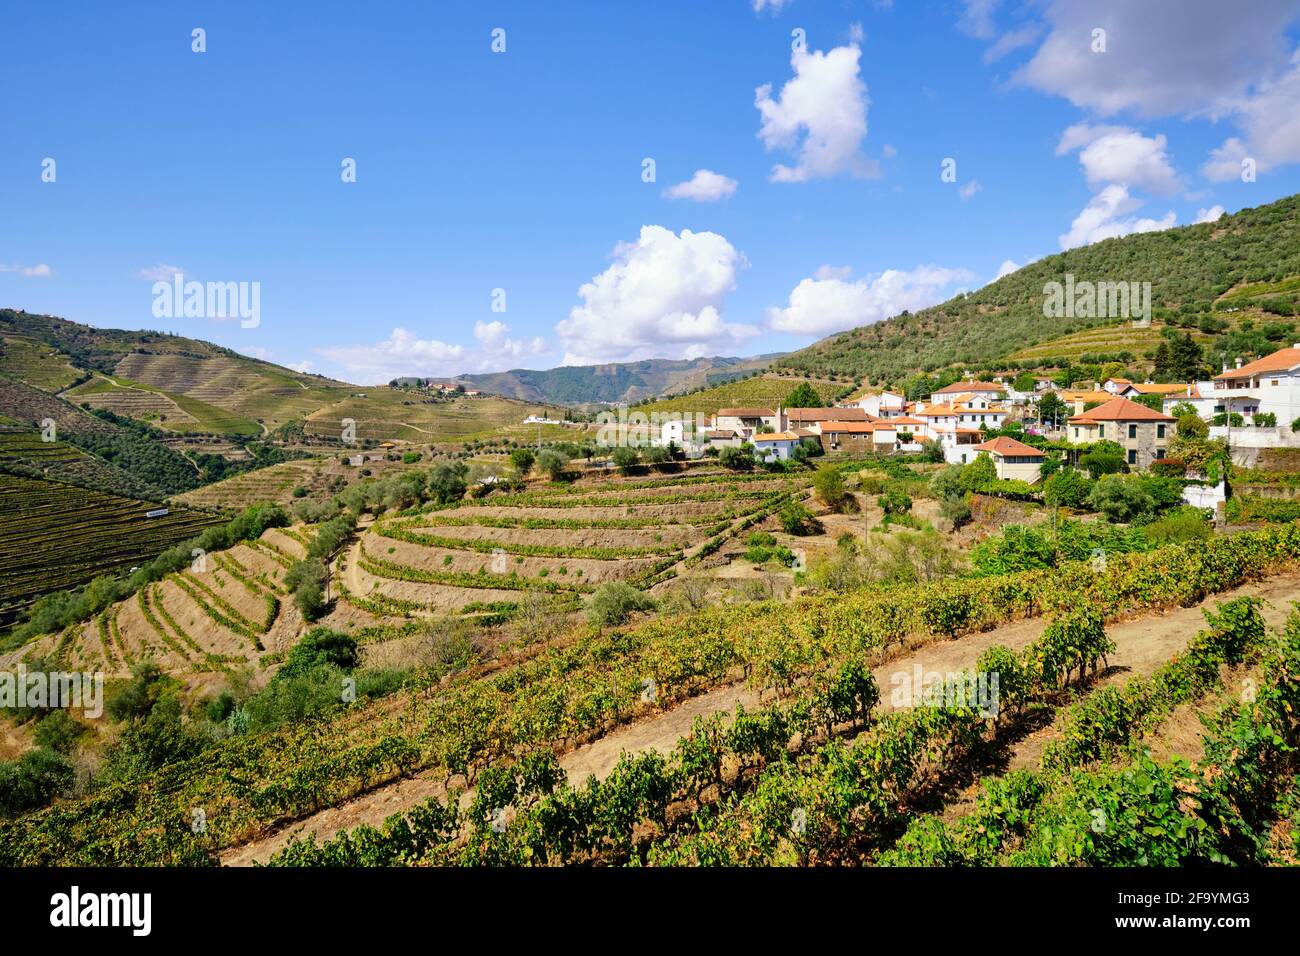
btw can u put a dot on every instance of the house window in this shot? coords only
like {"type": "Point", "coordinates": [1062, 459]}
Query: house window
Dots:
{"type": "Point", "coordinates": [1132, 431]}
{"type": "Point", "coordinates": [1160, 453]}
{"type": "Point", "coordinates": [1160, 431]}
{"type": "Point", "coordinates": [1274, 382]}
{"type": "Point", "coordinates": [1101, 431]}
{"type": "Point", "coordinates": [1132, 457]}
{"type": "Point", "coordinates": [1076, 431]}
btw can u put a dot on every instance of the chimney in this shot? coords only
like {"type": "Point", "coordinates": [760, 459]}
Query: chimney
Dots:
{"type": "Point", "coordinates": [1238, 363]}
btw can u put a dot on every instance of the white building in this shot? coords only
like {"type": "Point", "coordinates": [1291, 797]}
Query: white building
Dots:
{"type": "Point", "coordinates": [1267, 385]}
{"type": "Point", "coordinates": [775, 445]}
{"type": "Point", "coordinates": [884, 405]}
{"type": "Point", "coordinates": [747, 420]}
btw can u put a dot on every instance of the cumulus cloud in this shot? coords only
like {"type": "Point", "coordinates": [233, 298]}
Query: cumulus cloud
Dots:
{"type": "Point", "coordinates": [38, 271]}
{"type": "Point", "coordinates": [704, 186]}
{"type": "Point", "coordinates": [1213, 214]}
{"type": "Point", "coordinates": [820, 115]}
{"type": "Point", "coordinates": [1163, 57]}
{"type": "Point", "coordinates": [402, 353]}
{"type": "Point", "coordinates": [1270, 119]}
{"type": "Point", "coordinates": [661, 297]}
{"type": "Point", "coordinates": [1105, 218]}
{"type": "Point", "coordinates": [773, 5]}
{"type": "Point", "coordinates": [1007, 267]}
{"type": "Point", "coordinates": [831, 302]}
{"type": "Point", "coordinates": [1116, 154]}
{"type": "Point", "coordinates": [405, 353]}
{"type": "Point", "coordinates": [159, 273]}
{"type": "Point", "coordinates": [494, 341]}
{"type": "Point", "coordinates": [969, 189]}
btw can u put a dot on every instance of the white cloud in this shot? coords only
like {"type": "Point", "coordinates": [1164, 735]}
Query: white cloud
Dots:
{"type": "Point", "coordinates": [1163, 57]}
{"type": "Point", "coordinates": [830, 302]}
{"type": "Point", "coordinates": [494, 340]}
{"type": "Point", "coordinates": [302, 367]}
{"type": "Point", "coordinates": [976, 19]}
{"type": "Point", "coordinates": [821, 115]}
{"type": "Point", "coordinates": [1270, 118]}
{"type": "Point", "coordinates": [773, 5]}
{"type": "Point", "coordinates": [662, 297]}
{"type": "Point", "coordinates": [159, 273]}
{"type": "Point", "coordinates": [969, 189]}
{"type": "Point", "coordinates": [704, 186]}
{"type": "Point", "coordinates": [1103, 218]}
{"type": "Point", "coordinates": [39, 271]}
{"type": "Point", "coordinates": [1007, 267]}
{"type": "Point", "coordinates": [1213, 214]}
{"type": "Point", "coordinates": [889, 152]}
{"type": "Point", "coordinates": [1115, 154]}
{"type": "Point", "coordinates": [856, 33]}
{"type": "Point", "coordinates": [1012, 41]}
{"type": "Point", "coordinates": [255, 351]}
{"type": "Point", "coordinates": [402, 353]}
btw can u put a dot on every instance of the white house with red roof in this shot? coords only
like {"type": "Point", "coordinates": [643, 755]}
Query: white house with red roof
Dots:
{"type": "Point", "coordinates": [1014, 460]}
{"type": "Point", "coordinates": [1268, 384]}
{"type": "Point", "coordinates": [1142, 432]}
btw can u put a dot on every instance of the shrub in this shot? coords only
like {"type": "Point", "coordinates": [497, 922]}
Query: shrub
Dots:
{"type": "Point", "coordinates": [1103, 458]}
{"type": "Point", "coordinates": [58, 731]}
{"type": "Point", "coordinates": [736, 458]}
{"type": "Point", "coordinates": [522, 459]}
{"type": "Point", "coordinates": [300, 492]}
{"type": "Point", "coordinates": [411, 457]}
{"type": "Point", "coordinates": [1067, 489]}
{"type": "Point", "coordinates": [1191, 425]}
{"type": "Point", "coordinates": [320, 646]}
{"type": "Point", "coordinates": [552, 463]}
{"type": "Point", "coordinates": [625, 458]}
{"type": "Point", "coordinates": [1264, 420]}
{"type": "Point", "coordinates": [895, 501]}
{"type": "Point", "coordinates": [446, 481]}
{"type": "Point", "coordinates": [829, 485]}
{"type": "Point", "coordinates": [32, 781]}
{"type": "Point", "coordinates": [1119, 499]}
{"type": "Point", "coordinates": [797, 520]}
{"type": "Point", "coordinates": [979, 472]}
{"type": "Point", "coordinates": [614, 601]}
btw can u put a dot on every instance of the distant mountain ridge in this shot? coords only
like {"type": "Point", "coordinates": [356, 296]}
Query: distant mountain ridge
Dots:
{"type": "Point", "coordinates": [616, 381]}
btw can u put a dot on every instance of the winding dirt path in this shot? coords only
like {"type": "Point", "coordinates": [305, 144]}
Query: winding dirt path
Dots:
{"type": "Point", "coordinates": [1143, 643]}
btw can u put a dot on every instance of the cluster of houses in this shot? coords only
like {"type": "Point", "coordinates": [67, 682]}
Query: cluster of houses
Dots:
{"type": "Point", "coordinates": [442, 388]}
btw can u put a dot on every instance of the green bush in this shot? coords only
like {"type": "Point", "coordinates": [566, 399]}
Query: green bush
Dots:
{"type": "Point", "coordinates": [1067, 489]}
{"type": "Point", "coordinates": [614, 601]}
{"type": "Point", "coordinates": [895, 501]}
{"type": "Point", "coordinates": [58, 731]}
{"type": "Point", "coordinates": [32, 781]}
{"type": "Point", "coordinates": [797, 520]}
{"type": "Point", "coordinates": [320, 646]}
{"type": "Point", "coordinates": [1103, 458]}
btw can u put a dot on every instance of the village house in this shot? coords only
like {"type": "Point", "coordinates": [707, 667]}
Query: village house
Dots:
{"type": "Point", "coordinates": [1142, 432]}
{"type": "Point", "coordinates": [959, 445]}
{"type": "Point", "coordinates": [775, 445]}
{"type": "Point", "coordinates": [1116, 386]}
{"type": "Point", "coordinates": [723, 438]}
{"type": "Point", "coordinates": [1013, 460]}
{"type": "Point", "coordinates": [1136, 389]}
{"type": "Point", "coordinates": [747, 421]}
{"type": "Point", "coordinates": [884, 405]}
{"type": "Point", "coordinates": [858, 436]}
{"type": "Point", "coordinates": [989, 390]}
{"type": "Point", "coordinates": [1267, 385]}
{"type": "Point", "coordinates": [812, 418]}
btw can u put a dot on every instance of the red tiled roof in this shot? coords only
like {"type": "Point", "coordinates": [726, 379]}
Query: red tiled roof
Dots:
{"type": "Point", "coordinates": [971, 387]}
{"type": "Point", "coordinates": [827, 415]}
{"type": "Point", "coordinates": [1002, 445]}
{"type": "Point", "coordinates": [1279, 361]}
{"type": "Point", "coordinates": [1121, 410]}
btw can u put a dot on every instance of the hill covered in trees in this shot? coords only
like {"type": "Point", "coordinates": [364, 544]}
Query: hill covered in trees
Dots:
{"type": "Point", "coordinates": [1227, 280]}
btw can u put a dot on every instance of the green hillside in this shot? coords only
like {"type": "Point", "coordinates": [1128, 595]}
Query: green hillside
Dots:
{"type": "Point", "coordinates": [1198, 274]}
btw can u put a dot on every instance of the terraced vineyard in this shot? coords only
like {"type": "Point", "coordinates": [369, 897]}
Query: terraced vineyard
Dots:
{"type": "Point", "coordinates": [492, 731]}
{"type": "Point", "coordinates": [764, 391]}
{"type": "Point", "coordinates": [174, 411]}
{"type": "Point", "coordinates": [229, 609]}
{"type": "Point", "coordinates": [57, 536]}
{"type": "Point", "coordinates": [482, 556]}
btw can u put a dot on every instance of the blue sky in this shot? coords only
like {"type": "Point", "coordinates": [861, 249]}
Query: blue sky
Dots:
{"type": "Point", "coordinates": [523, 170]}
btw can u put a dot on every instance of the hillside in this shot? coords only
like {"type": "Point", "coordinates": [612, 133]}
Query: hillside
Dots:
{"type": "Point", "coordinates": [764, 391]}
{"type": "Point", "coordinates": [1245, 262]}
{"type": "Point", "coordinates": [617, 382]}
